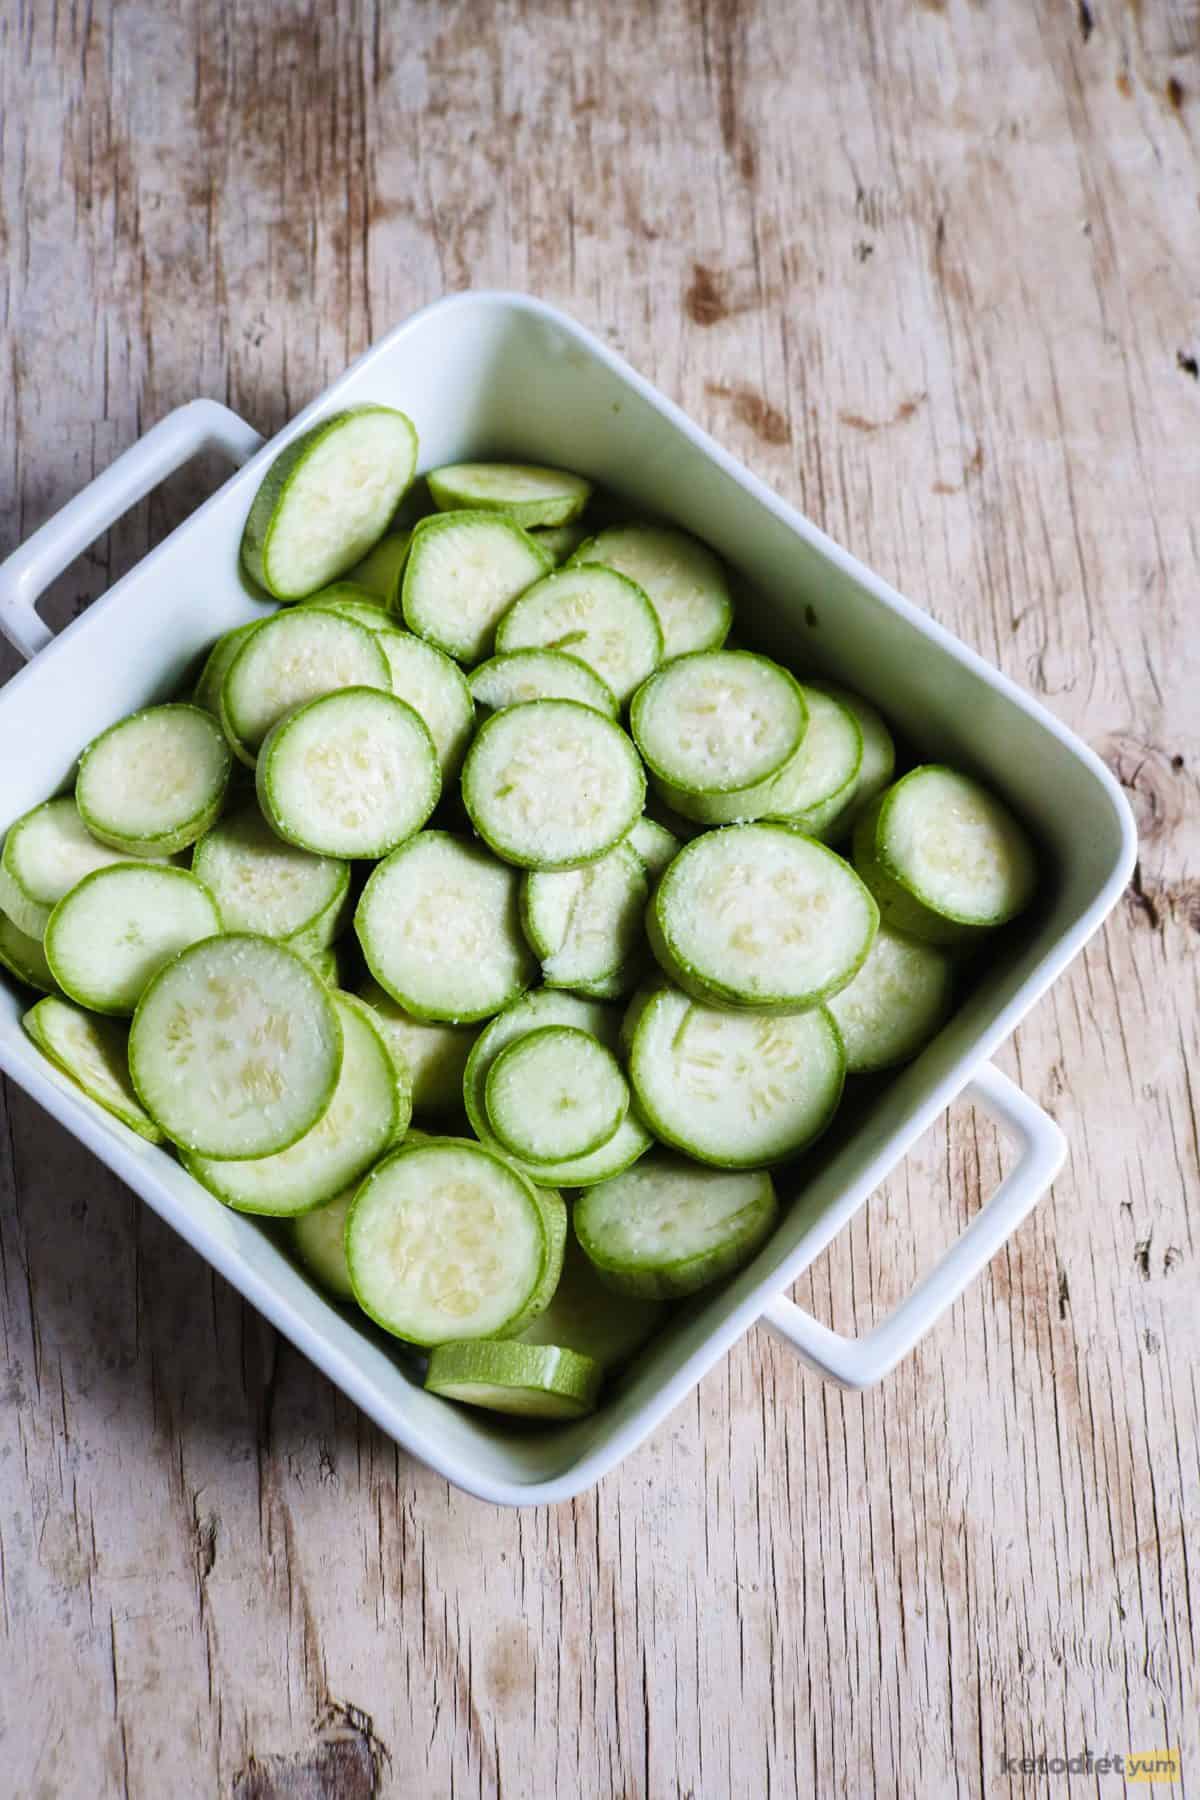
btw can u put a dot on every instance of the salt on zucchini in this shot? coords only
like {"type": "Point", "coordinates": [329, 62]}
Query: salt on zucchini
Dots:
{"type": "Point", "coordinates": [351, 774]}
{"type": "Point", "coordinates": [814, 788]}
{"type": "Point", "coordinates": [236, 1047]}
{"type": "Point", "coordinates": [435, 1054]}
{"type": "Point", "coordinates": [94, 1052]}
{"type": "Point", "coordinates": [735, 1090]}
{"type": "Point", "coordinates": [593, 613]}
{"type": "Point", "coordinates": [45, 853]}
{"type": "Point", "coordinates": [586, 924]}
{"type": "Point", "coordinates": [944, 858]}
{"type": "Point", "coordinates": [552, 784]}
{"type": "Point", "coordinates": [685, 582]}
{"type": "Point", "coordinates": [526, 492]}
{"type": "Point", "coordinates": [260, 883]}
{"type": "Point", "coordinates": [153, 782]}
{"type": "Point", "coordinates": [898, 1000]}
{"type": "Point", "coordinates": [532, 1381]}
{"type": "Point", "coordinates": [24, 957]}
{"type": "Point", "coordinates": [759, 916]}
{"type": "Point", "coordinates": [111, 934]}
{"type": "Point", "coordinates": [464, 570]}
{"type": "Point", "coordinates": [435, 687]}
{"type": "Point", "coordinates": [553, 1094]}
{"type": "Point", "coordinates": [289, 659]}
{"type": "Point", "coordinates": [516, 676]}
{"type": "Point", "coordinates": [716, 729]}
{"type": "Point", "coordinates": [327, 499]}
{"type": "Point", "coordinates": [439, 926]}
{"type": "Point", "coordinates": [666, 1228]}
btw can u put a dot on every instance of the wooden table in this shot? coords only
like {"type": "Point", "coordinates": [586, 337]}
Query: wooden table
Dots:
{"type": "Point", "coordinates": [932, 271]}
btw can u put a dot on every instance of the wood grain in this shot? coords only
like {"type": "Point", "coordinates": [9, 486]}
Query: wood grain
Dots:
{"type": "Point", "coordinates": [932, 271]}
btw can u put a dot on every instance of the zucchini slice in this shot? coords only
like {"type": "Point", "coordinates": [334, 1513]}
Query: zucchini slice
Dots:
{"type": "Point", "coordinates": [24, 957]}
{"type": "Point", "coordinates": [45, 853]}
{"type": "Point", "coordinates": [534, 1381]}
{"type": "Point", "coordinates": [685, 582]}
{"type": "Point", "coordinates": [114, 931]}
{"type": "Point", "coordinates": [464, 570]}
{"type": "Point", "coordinates": [436, 688]}
{"type": "Point", "coordinates": [292, 658]}
{"type": "Point", "coordinates": [588, 1317]}
{"type": "Point", "coordinates": [152, 783]}
{"type": "Point", "coordinates": [812, 790]}
{"type": "Point", "coordinates": [319, 1240]}
{"type": "Point", "coordinates": [667, 1228]}
{"type": "Point", "coordinates": [521, 675]}
{"type": "Point", "coordinates": [382, 569]}
{"type": "Point", "coordinates": [263, 885]}
{"type": "Point", "coordinates": [895, 1004]}
{"type": "Point", "coordinates": [878, 760]}
{"type": "Point", "coordinates": [586, 924]}
{"type": "Point", "coordinates": [595, 614]}
{"type": "Point", "coordinates": [559, 541]}
{"type": "Point", "coordinates": [434, 1054]}
{"type": "Point", "coordinates": [207, 691]}
{"type": "Point", "coordinates": [94, 1052]}
{"type": "Point", "coordinates": [555, 1093]}
{"type": "Point", "coordinates": [526, 492]}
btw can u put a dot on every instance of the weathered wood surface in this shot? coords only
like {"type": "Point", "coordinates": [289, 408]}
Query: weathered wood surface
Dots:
{"type": "Point", "coordinates": [933, 271]}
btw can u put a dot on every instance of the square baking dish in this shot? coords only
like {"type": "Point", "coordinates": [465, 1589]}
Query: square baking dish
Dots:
{"type": "Point", "coordinates": [487, 373]}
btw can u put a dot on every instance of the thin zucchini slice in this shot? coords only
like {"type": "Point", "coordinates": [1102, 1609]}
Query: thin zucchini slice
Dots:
{"type": "Point", "coordinates": [95, 1054]}
{"type": "Point", "coordinates": [446, 1240]}
{"type": "Point", "coordinates": [463, 572]}
{"type": "Point", "coordinates": [207, 692]}
{"type": "Point", "coordinates": [24, 957]}
{"type": "Point", "coordinates": [116, 928]}
{"type": "Point", "coordinates": [595, 614]}
{"type": "Point", "coordinates": [262, 884]}
{"type": "Point", "coordinates": [382, 569]}
{"type": "Point", "coordinates": [878, 760]}
{"type": "Point", "coordinates": [352, 774]}
{"type": "Point", "coordinates": [236, 1047]}
{"type": "Point", "coordinates": [327, 499]}
{"type": "Point", "coordinates": [586, 924]}
{"type": "Point", "coordinates": [668, 1228]}
{"type": "Point", "coordinates": [758, 916]}
{"type": "Point", "coordinates": [436, 689]}
{"type": "Point", "coordinates": [369, 1111]}
{"type": "Point", "coordinates": [520, 675]}
{"type": "Point", "coordinates": [533, 1381]}
{"type": "Point", "coordinates": [325, 963]}
{"type": "Point", "coordinates": [150, 784]}
{"type": "Point", "coordinates": [943, 857]}
{"type": "Point", "coordinates": [45, 853]}
{"type": "Point", "coordinates": [553, 1094]}
{"type": "Point", "coordinates": [552, 784]}
{"type": "Point", "coordinates": [439, 926]}
{"type": "Point", "coordinates": [292, 658]}
{"type": "Point", "coordinates": [550, 1006]}
{"type": "Point", "coordinates": [588, 1317]}
{"type": "Point", "coordinates": [434, 1054]}
{"type": "Point", "coordinates": [656, 846]}
{"type": "Point", "coordinates": [686, 584]}
{"type": "Point", "coordinates": [350, 601]}
{"type": "Point", "coordinates": [716, 729]}
{"type": "Point", "coordinates": [736, 1090]}
{"type": "Point", "coordinates": [559, 541]}
{"type": "Point", "coordinates": [813, 789]}
{"type": "Point", "coordinates": [897, 1001]}
{"type": "Point", "coordinates": [526, 492]}
{"type": "Point", "coordinates": [319, 1240]}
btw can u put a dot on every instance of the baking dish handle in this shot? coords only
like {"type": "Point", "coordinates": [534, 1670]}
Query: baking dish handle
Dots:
{"type": "Point", "coordinates": [28, 572]}
{"type": "Point", "coordinates": [860, 1362]}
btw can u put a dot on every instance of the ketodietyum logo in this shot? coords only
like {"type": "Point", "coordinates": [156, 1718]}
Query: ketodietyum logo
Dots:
{"type": "Point", "coordinates": [1134, 1765]}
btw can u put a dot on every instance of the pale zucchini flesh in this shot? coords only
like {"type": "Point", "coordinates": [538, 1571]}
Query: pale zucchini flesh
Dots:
{"type": "Point", "coordinates": [552, 784]}
{"type": "Point", "coordinates": [435, 687]}
{"type": "Point", "coordinates": [542, 1381]}
{"type": "Point", "coordinates": [736, 1090]}
{"type": "Point", "coordinates": [236, 1047]}
{"type": "Point", "coordinates": [900, 997]}
{"type": "Point", "coordinates": [685, 582]}
{"type": "Point", "coordinates": [46, 852]}
{"type": "Point", "coordinates": [655, 845]}
{"type": "Point", "coordinates": [464, 570]}
{"type": "Point", "coordinates": [94, 1052]}
{"type": "Point", "coordinates": [667, 1228]}
{"type": "Point", "coordinates": [150, 784]}
{"type": "Point", "coordinates": [382, 569]}
{"type": "Point", "coordinates": [264, 885]}
{"type": "Point", "coordinates": [24, 957]}
{"type": "Point", "coordinates": [319, 1240]}
{"type": "Point", "coordinates": [292, 658]}
{"type": "Point", "coordinates": [878, 760]}
{"type": "Point", "coordinates": [111, 934]}
{"type": "Point", "coordinates": [526, 492]}
{"type": "Point", "coordinates": [434, 1054]}
{"type": "Point", "coordinates": [585, 924]}
{"type": "Point", "coordinates": [595, 614]}
{"type": "Point", "coordinates": [553, 1094]}
{"type": "Point", "coordinates": [588, 1317]}
{"type": "Point", "coordinates": [207, 692]}
{"type": "Point", "coordinates": [439, 926]}
{"type": "Point", "coordinates": [516, 676]}
{"type": "Point", "coordinates": [759, 916]}
{"type": "Point", "coordinates": [818, 782]}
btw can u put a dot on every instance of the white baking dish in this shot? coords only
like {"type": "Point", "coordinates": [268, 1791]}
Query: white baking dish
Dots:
{"type": "Point", "coordinates": [499, 372]}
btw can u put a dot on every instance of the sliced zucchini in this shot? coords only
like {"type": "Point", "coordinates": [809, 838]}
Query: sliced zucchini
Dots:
{"type": "Point", "coordinates": [716, 729]}
{"type": "Point", "coordinates": [814, 788]}
{"type": "Point", "coordinates": [464, 570]}
{"type": "Point", "coordinates": [595, 614]}
{"type": "Point", "coordinates": [878, 760]}
{"type": "Point", "coordinates": [292, 658]}
{"type": "Point", "coordinates": [351, 774]}
{"type": "Point", "coordinates": [236, 1047]}
{"type": "Point", "coordinates": [655, 845]}
{"type": "Point", "coordinates": [207, 692]}
{"type": "Point", "coordinates": [262, 884]}
{"type": "Point", "coordinates": [559, 541]}
{"type": "Point", "coordinates": [586, 924]}
{"type": "Point", "coordinates": [319, 1240]}
{"type": "Point", "coordinates": [685, 582]}
{"type": "Point", "coordinates": [552, 784]}
{"type": "Point", "coordinates": [436, 689]}
{"type": "Point", "coordinates": [736, 1090]}
{"type": "Point", "coordinates": [150, 784]}
{"type": "Point", "coordinates": [45, 853]}
{"type": "Point", "coordinates": [351, 601]}
{"type": "Point", "coordinates": [522, 491]}
{"type": "Point", "coordinates": [588, 1317]}
{"type": "Point", "coordinates": [434, 1054]}
{"type": "Point", "coordinates": [439, 926]}
{"type": "Point", "coordinates": [327, 499]}
{"type": "Point", "coordinates": [534, 1381]}
{"type": "Point", "coordinates": [369, 1111]}
{"type": "Point", "coordinates": [382, 569]}
{"type": "Point", "coordinates": [943, 857]}
{"type": "Point", "coordinates": [446, 1240]}
{"type": "Point", "coordinates": [116, 928]}
{"type": "Point", "coordinates": [553, 1094]}
{"type": "Point", "coordinates": [897, 1001]}
{"type": "Point", "coordinates": [24, 957]}
{"type": "Point", "coordinates": [521, 675]}
{"type": "Point", "coordinates": [325, 963]}
{"type": "Point", "coordinates": [668, 1228]}
{"type": "Point", "coordinates": [758, 916]}
{"type": "Point", "coordinates": [95, 1054]}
